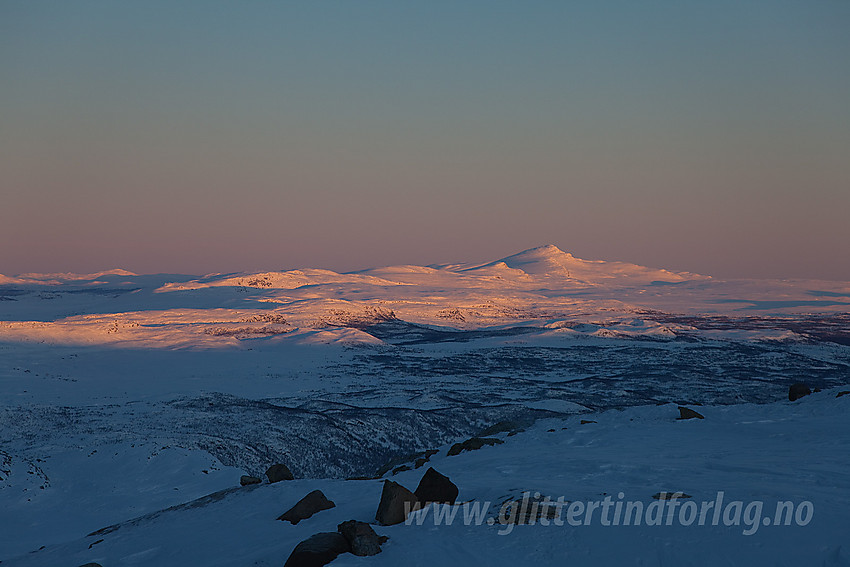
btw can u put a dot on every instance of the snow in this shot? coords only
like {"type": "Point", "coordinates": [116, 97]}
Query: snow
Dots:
{"type": "Point", "coordinates": [776, 452]}
{"type": "Point", "coordinates": [124, 397]}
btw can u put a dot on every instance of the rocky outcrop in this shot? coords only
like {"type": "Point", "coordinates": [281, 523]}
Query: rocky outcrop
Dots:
{"type": "Point", "coordinates": [403, 463]}
{"type": "Point", "coordinates": [401, 468]}
{"type": "Point", "coordinates": [396, 503]}
{"type": "Point", "coordinates": [361, 538]}
{"type": "Point", "coordinates": [688, 413]}
{"type": "Point", "coordinates": [511, 427]}
{"type": "Point", "coordinates": [797, 391]}
{"type": "Point", "coordinates": [672, 495]}
{"type": "Point", "coordinates": [426, 456]}
{"type": "Point", "coordinates": [435, 487]}
{"type": "Point", "coordinates": [278, 472]}
{"type": "Point", "coordinates": [311, 504]}
{"type": "Point", "coordinates": [246, 480]}
{"type": "Point", "coordinates": [473, 444]}
{"type": "Point", "coordinates": [317, 550]}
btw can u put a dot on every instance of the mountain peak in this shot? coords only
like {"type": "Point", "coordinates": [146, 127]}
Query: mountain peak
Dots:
{"type": "Point", "coordinates": [547, 259]}
{"type": "Point", "coordinates": [545, 251]}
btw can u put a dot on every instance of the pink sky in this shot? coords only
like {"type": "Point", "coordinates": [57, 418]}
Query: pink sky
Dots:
{"type": "Point", "coordinates": [710, 139]}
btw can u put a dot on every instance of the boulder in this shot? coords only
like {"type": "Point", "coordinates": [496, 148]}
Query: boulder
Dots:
{"type": "Point", "coordinates": [688, 413]}
{"type": "Point", "coordinates": [361, 538]}
{"type": "Point", "coordinates": [435, 487]}
{"type": "Point", "coordinates": [311, 504]}
{"type": "Point", "coordinates": [245, 480]}
{"type": "Point", "coordinates": [473, 444]}
{"type": "Point", "coordinates": [317, 550]}
{"type": "Point", "coordinates": [673, 495]}
{"type": "Point", "coordinates": [797, 391]}
{"type": "Point", "coordinates": [278, 472]}
{"type": "Point", "coordinates": [396, 503]}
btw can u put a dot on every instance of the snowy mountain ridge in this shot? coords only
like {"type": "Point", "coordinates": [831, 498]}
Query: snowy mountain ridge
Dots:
{"type": "Point", "coordinates": [124, 395]}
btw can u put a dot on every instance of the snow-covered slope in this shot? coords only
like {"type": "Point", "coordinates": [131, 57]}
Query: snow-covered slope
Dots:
{"type": "Point", "coordinates": [536, 287]}
{"type": "Point", "coordinates": [124, 394]}
{"type": "Point", "coordinates": [550, 262]}
{"type": "Point", "coordinates": [757, 456]}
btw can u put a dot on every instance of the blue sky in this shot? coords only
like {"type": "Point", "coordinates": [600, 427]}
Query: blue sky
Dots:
{"type": "Point", "coordinates": [212, 136]}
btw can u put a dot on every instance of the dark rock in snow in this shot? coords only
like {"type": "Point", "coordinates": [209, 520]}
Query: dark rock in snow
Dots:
{"type": "Point", "coordinates": [508, 426]}
{"type": "Point", "coordinates": [688, 413]}
{"type": "Point", "coordinates": [473, 445]}
{"type": "Point", "coordinates": [844, 393]}
{"type": "Point", "coordinates": [426, 456]}
{"type": "Point", "coordinates": [396, 503]}
{"type": "Point", "coordinates": [311, 504]}
{"type": "Point", "coordinates": [435, 487]}
{"type": "Point", "coordinates": [245, 480]}
{"type": "Point", "coordinates": [797, 391]}
{"type": "Point", "coordinates": [361, 537]}
{"type": "Point", "coordinates": [278, 472]}
{"type": "Point", "coordinates": [91, 565]}
{"type": "Point", "coordinates": [402, 463]}
{"type": "Point", "coordinates": [317, 550]}
{"type": "Point", "coordinates": [670, 495]}
{"type": "Point", "coordinates": [586, 421]}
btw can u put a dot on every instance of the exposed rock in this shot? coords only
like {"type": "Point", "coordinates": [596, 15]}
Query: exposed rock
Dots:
{"type": "Point", "coordinates": [278, 472]}
{"type": "Point", "coordinates": [402, 468]}
{"type": "Point", "coordinates": [361, 537]}
{"type": "Point", "coordinates": [797, 391]}
{"type": "Point", "coordinates": [396, 503]}
{"type": "Point", "coordinates": [586, 421]}
{"type": "Point", "coordinates": [473, 444]}
{"type": "Point", "coordinates": [426, 456]}
{"type": "Point", "coordinates": [306, 507]}
{"type": "Point", "coordinates": [512, 426]}
{"type": "Point", "coordinates": [688, 413]}
{"type": "Point", "coordinates": [396, 463]}
{"type": "Point", "coordinates": [317, 550]}
{"type": "Point", "coordinates": [844, 393]}
{"type": "Point", "coordinates": [245, 480]}
{"type": "Point", "coordinates": [91, 565]}
{"type": "Point", "coordinates": [670, 495]}
{"type": "Point", "coordinates": [436, 487]}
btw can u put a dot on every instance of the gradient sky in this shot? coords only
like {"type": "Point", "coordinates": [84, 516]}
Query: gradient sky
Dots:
{"type": "Point", "coordinates": [193, 137]}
